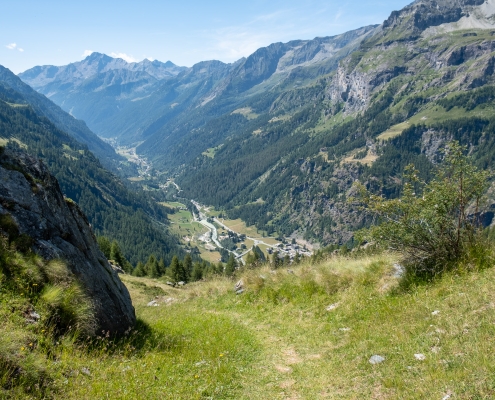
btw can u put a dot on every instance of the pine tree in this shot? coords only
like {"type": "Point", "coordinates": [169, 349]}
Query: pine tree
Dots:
{"type": "Point", "coordinates": [219, 269]}
{"type": "Point", "coordinates": [152, 267]}
{"type": "Point", "coordinates": [139, 270]}
{"type": "Point", "coordinates": [197, 272]}
{"type": "Point", "coordinates": [297, 259]}
{"type": "Point", "coordinates": [162, 269]}
{"type": "Point", "coordinates": [187, 266]}
{"type": "Point", "coordinates": [175, 269]}
{"type": "Point", "coordinates": [231, 266]}
{"type": "Point", "coordinates": [276, 262]}
{"type": "Point", "coordinates": [104, 245]}
{"type": "Point", "coordinates": [116, 254]}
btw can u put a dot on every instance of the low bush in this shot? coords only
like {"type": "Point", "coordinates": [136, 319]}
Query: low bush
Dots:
{"type": "Point", "coordinates": [435, 225]}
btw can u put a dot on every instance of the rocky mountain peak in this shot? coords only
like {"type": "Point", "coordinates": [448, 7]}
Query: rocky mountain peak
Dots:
{"type": "Point", "coordinates": [97, 57]}
{"type": "Point", "coordinates": [413, 20]}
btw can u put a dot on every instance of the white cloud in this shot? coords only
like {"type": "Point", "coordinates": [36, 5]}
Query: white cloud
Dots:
{"type": "Point", "coordinates": [87, 53]}
{"type": "Point", "coordinates": [13, 46]}
{"type": "Point", "coordinates": [125, 57]}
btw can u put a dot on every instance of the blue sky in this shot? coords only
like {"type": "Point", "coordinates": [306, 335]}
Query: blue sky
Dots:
{"type": "Point", "coordinates": [185, 32]}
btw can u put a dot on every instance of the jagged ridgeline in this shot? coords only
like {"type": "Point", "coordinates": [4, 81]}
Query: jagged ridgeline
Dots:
{"type": "Point", "coordinates": [134, 220]}
{"type": "Point", "coordinates": [279, 138]}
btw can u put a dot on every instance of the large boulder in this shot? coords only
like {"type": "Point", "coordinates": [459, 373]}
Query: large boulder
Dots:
{"type": "Point", "coordinates": [59, 230]}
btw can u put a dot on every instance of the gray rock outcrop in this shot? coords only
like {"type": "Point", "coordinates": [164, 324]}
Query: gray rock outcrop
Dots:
{"type": "Point", "coordinates": [59, 230]}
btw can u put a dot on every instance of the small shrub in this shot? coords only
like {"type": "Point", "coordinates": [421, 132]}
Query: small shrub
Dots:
{"type": "Point", "coordinates": [8, 225]}
{"type": "Point", "coordinates": [435, 226]}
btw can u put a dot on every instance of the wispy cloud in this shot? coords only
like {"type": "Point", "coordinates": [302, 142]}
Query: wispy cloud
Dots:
{"type": "Point", "coordinates": [230, 43]}
{"type": "Point", "coordinates": [125, 57]}
{"type": "Point", "coordinates": [13, 46]}
{"type": "Point", "coordinates": [87, 53]}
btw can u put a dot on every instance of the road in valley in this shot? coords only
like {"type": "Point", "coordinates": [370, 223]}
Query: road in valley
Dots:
{"type": "Point", "coordinates": [203, 220]}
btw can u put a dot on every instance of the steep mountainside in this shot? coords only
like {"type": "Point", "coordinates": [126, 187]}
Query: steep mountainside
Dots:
{"type": "Point", "coordinates": [250, 89]}
{"type": "Point", "coordinates": [420, 80]}
{"type": "Point", "coordinates": [279, 138]}
{"type": "Point", "coordinates": [63, 121]}
{"type": "Point", "coordinates": [134, 220]}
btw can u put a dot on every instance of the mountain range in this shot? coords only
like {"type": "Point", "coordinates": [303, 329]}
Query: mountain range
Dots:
{"type": "Point", "coordinates": [279, 138]}
{"type": "Point", "coordinates": [29, 121]}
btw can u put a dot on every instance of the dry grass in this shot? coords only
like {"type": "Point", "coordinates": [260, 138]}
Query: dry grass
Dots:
{"type": "Point", "coordinates": [394, 131]}
{"type": "Point", "coordinates": [247, 112]}
{"type": "Point", "coordinates": [368, 160]}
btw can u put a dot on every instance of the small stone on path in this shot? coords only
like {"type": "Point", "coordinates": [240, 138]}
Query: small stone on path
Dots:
{"type": "Point", "coordinates": [332, 307]}
{"type": "Point", "coordinates": [376, 359]}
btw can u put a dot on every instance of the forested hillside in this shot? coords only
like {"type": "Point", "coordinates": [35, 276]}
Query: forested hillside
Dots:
{"type": "Point", "coordinates": [65, 122]}
{"type": "Point", "coordinates": [134, 220]}
{"type": "Point", "coordinates": [396, 100]}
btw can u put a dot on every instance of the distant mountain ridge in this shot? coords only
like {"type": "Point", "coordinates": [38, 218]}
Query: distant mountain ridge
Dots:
{"type": "Point", "coordinates": [98, 87]}
{"type": "Point", "coordinates": [96, 63]}
{"type": "Point", "coordinates": [130, 102]}
{"type": "Point", "coordinates": [278, 138]}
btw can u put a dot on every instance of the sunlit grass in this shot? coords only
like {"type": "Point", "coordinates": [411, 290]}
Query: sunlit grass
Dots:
{"type": "Point", "coordinates": [305, 332]}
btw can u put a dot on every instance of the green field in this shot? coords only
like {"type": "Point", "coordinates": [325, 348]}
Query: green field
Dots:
{"type": "Point", "coordinates": [172, 204]}
{"type": "Point", "coordinates": [4, 142]}
{"type": "Point", "coordinates": [137, 179]}
{"type": "Point", "coordinates": [239, 226]}
{"type": "Point", "coordinates": [247, 112]}
{"type": "Point", "coordinates": [394, 131]}
{"type": "Point", "coordinates": [211, 151]}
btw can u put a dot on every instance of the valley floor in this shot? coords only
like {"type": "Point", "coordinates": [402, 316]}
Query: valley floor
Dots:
{"type": "Point", "coordinates": [303, 334]}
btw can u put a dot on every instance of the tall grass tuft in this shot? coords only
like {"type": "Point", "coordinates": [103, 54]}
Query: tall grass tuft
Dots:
{"type": "Point", "coordinates": [40, 304]}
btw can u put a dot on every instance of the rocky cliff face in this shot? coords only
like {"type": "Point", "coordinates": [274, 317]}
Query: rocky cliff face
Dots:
{"type": "Point", "coordinates": [59, 229]}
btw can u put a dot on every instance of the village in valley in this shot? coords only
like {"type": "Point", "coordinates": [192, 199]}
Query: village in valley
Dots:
{"type": "Point", "coordinates": [207, 231]}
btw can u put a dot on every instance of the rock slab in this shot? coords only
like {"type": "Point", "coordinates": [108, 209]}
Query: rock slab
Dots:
{"type": "Point", "coordinates": [59, 230]}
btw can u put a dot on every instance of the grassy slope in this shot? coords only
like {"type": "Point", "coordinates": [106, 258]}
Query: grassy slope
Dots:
{"type": "Point", "coordinates": [278, 341]}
